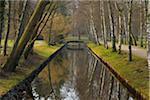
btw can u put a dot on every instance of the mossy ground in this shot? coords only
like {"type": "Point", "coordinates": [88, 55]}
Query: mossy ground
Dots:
{"type": "Point", "coordinates": [135, 72]}
{"type": "Point", "coordinates": [9, 80]}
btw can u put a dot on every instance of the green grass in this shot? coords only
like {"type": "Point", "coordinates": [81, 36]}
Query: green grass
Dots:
{"type": "Point", "coordinates": [135, 72]}
{"type": "Point", "coordinates": [139, 44]}
{"type": "Point", "coordinates": [10, 43]}
{"type": "Point", "coordinates": [7, 83]}
{"type": "Point", "coordinates": [43, 49]}
{"type": "Point", "coordinates": [11, 79]}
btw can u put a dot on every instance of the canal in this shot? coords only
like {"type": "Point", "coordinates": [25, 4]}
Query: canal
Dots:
{"type": "Point", "coordinates": [75, 74]}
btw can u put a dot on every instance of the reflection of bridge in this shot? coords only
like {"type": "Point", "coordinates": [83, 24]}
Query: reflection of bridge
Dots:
{"type": "Point", "coordinates": [75, 45]}
{"type": "Point", "coordinates": [75, 41]}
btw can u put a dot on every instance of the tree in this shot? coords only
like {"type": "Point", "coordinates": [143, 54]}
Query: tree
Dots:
{"type": "Point", "coordinates": [8, 29]}
{"type": "Point", "coordinates": [148, 29]}
{"type": "Point", "coordinates": [120, 10]}
{"type": "Point", "coordinates": [146, 20]}
{"type": "Point", "coordinates": [14, 58]}
{"type": "Point", "coordinates": [141, 24]}
{"type": "Point", "coordinates": [2, 9]}
{"type": "Point", "coordinates": [129, 30]}
{"type": "Point", "coordinates": [104, 25]}
{"type": "Point", "coordinates": [23, 20]}
{"type": "Point", "coordinates": [92, 23]}
{"type": "Point", "coordinates": [35, 34]}
{"type": "Point", "coordinates": [111, 16]}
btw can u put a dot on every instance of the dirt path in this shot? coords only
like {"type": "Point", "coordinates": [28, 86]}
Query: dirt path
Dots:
{"type": "Point", "coordinates": [141, 52]}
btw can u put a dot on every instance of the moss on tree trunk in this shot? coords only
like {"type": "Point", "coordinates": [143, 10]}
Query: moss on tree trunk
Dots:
{"type": "Point", "coordinates": [14, 58]}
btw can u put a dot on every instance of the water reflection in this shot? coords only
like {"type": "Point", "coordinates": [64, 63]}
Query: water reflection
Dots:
{"type": "Point", "coordinates": [77, 75]}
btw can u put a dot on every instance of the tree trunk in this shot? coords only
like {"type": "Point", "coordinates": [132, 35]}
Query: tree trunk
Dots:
{"type": "Point", "coordinates": [112, 28]}
{"type": "Point", "coordinates": [130, 31]}
{"type": "Point", "coordinates": [2, 9]}
{"type": "Point", "coordinates": [14, 58]}
{"type": "Point", "coordinates": [141, 24]}
{"type": "Point", "coordinates": [120, 40]}
{"type": "Point", "coordinates": [35, 35]}
{"type": "Point", "coordinates": [147, 12]}
{"type": "Point", "coordinates": [29, 49]}
{"type": "Point", "coordinates": [104, 26]}
{"type": "Point", "coordinates": [120, 31]}
{"type": "Point", "coordinates": [134, 39]}
{"type": "Point", "coordinates": [147, 26]}
{"type": "Point", "coordinates": [14, 18]}
{"type": "Point", "coordinates": [22, 24]}
{"type": "Point", "coordinates": [93, 27]}
{"type": "Point", "coordinates": [8, 29]}
{"type": "Point", "coordinates": [125, 28]}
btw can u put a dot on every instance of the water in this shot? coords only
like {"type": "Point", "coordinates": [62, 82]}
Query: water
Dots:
{"type": "Point", "coordinates": [75, 74]}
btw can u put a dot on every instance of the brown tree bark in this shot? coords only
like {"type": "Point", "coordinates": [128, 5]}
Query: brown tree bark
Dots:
{"type": "Point", "coordinates": [112, 27]}
{"type": "Point", "coordinates": [141, 23]}
{"type": "Point", "coordinates": [104, 25]}
{"type": "Point", "coordinates": [29, 48]}
{"type": "Point", "coordinates": [120, 40]}
{"type": "Point", "coordinates": [14, 58]}
{"type": "Point", "coordinates": [2, 7]}
{"type": "Point", "coordinates": [130, 31]}
{"type": "Point", "coordinates": [8, 29]}
{"type": "Point", "coordinates": [22, 23]}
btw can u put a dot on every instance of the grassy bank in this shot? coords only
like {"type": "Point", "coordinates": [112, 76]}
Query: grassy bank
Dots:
{"type": "Point", "coordinates": [9, 80]}
{"type": "Point", "coordinates": [43, 49]}
{"type": "Point", "coordinates": [135, 72]}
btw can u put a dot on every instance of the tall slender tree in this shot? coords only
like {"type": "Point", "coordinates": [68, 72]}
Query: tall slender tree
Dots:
{"type": "Point", "coordinates": [93, 25]}
{"type": "Point", "coordinates": [120, 10]}
{"type": "Point", "coordinates": [23, 19]}
{"type": "Point", "coordinates": [104, 25]}
{"type": "Point", "coordinates": [148, 28]}
{"type": "Point", "coordinates": [141, 23]}
{"type": "Point", "coordinates": [129, 30]}
{"type": "Point", "coordinates": [8, 29]}
{"type": "Point", "coordinates": [35, 35]}
{"type": "Point", "coordinates": [14, 58]}
{"type": "Point", "coordinates": [112, 28]}
{"type": "Point", "coordinates": [2, 9]}
{"type": "Point", "coordinates": [146, 20]}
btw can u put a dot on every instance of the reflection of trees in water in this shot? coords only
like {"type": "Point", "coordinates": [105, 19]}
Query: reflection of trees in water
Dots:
{"type": "Point", "coordinates": [59, 59]}
{"type": "Point", "coordinates": [82, 78]}
{"type": "Point", "coordinates": [94, 81]}
{"type": "Point", "coordinates": [89, 78]}
{"type": "Point", "coordinates": [52, 76]}
{"type": "Point", "coordinates": [49, 78]}
{"type": "Point", "coordinates": [41, 87]}
{"type": "Point", "coordinates": [59, 70]}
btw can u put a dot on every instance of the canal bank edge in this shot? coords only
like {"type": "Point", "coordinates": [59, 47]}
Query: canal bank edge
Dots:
{"type": "Point", "coordinates": [138, 95]}
{"type": "Point", "coordinates": [18, 91]}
